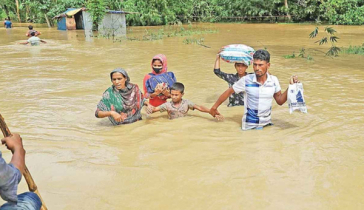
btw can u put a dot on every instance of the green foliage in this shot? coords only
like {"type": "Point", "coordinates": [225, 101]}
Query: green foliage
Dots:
{"type": "Point", "coordinates": [305, 10]}
{"type": "Point", "coordinates": [198, 41]}
{"type": "Point", "coordinates": [302, 54]}
{"type": "Point", "coordinates": [164, 12]}
{"type": "Point", "coordinates": [346, 12]}
{"type": "Point", "coordinates": [358, 50]}
{"type": "Point", "coordinates": [290, 56]}
{"type": "Point", "coordinates": [333, 51]}
{"type": "Point", "coordinates": [171, 31]}
{"type": "Point", "coordinates": [330, 37]}
{"type": "Point", "coordinates": [63, 5]}
{"type": "Point", "coordinates": [97, 10]}
{"type": "Point", "coordinates": [314, 33]}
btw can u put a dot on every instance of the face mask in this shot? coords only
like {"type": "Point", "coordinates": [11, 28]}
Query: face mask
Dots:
{"type": "Point", "coordinates": [157, 70]}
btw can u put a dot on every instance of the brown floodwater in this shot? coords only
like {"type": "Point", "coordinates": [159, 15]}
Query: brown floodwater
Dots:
{"type": "Point", "coordinates": [49, 93]}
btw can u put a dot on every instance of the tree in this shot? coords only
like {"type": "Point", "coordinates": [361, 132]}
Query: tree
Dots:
{"type": "Point", "coordinates": [17, 10]}
{"type": "Point", "coordinates": [97, 11]}
{"type": "Point", "coordinates": [287, 10]}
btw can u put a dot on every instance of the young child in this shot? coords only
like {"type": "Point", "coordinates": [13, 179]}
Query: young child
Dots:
{"type": "Point", "coordinates": [235, 99]}
{"type": "Point", "coordinates": [178, 107]}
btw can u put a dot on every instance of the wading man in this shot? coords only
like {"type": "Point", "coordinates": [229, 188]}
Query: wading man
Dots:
{"type": "Point", "coordinates": [259, 90]}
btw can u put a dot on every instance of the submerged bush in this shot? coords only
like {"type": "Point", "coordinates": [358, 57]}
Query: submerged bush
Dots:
{"type": "Point", "coordinates": [354, 50]}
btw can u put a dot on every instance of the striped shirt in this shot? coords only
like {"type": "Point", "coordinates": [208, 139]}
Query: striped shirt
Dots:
{"type": "Point", "coordinates": [258, 100]}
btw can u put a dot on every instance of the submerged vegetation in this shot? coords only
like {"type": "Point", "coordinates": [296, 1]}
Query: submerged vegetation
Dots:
{"type": "Point", "coordinates": [301, 54]}
{"type": "Point", "coordinates": [329, 37]}
{"type": "Point", "coordinates": [164, 12]}
{"type": "Point", "coordinates": [171, 31]}
{"type": "Point", "coordinates": [357, 50]}
{"type": "Point", "coordinates": [198, 41]}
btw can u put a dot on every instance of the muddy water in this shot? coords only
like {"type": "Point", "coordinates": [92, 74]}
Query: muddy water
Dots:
{"type": "Point", "coordinates": [49, 93]}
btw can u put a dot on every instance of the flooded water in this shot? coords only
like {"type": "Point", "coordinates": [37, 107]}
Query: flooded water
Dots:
{"type": "Point", "coordinates": [315, 161]}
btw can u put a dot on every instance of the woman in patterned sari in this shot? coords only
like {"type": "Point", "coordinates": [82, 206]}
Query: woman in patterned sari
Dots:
{"type": "Point", "coordinates": [122, 102]}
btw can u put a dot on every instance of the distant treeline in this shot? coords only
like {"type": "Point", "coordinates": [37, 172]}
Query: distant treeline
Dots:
{"type": "Point", "coordinates": [161, 12]}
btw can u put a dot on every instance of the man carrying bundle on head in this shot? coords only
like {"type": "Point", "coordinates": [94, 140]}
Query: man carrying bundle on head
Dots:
{"type": "Point", "coordinates": [259, 90]}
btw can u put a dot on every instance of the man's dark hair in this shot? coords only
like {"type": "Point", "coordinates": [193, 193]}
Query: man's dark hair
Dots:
{"type": "Point", "coordinates": [178, 86]}
{"type": "Point", "coordinates": [33, 33]}
{"type": "Point", "coordinates": [262, 55]}
{"type": "Point", "coordinates": [30, 27]}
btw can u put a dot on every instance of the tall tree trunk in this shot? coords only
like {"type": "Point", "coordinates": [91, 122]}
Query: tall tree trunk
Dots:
{"type": "Point", "coordinates": [48, 23]}
{"type": "Point", "coordinates": [286, 5]}
{"type": "Point", "coordinates": [27, 11]}
{"type": "Point", "coordinates": [17, 10]}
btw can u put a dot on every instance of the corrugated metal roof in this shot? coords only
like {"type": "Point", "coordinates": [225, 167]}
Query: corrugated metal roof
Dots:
{"type": "Point", "coordinates": [64, 13]}
{"type": "Point", "coordinates": [115, 12]}
{"type": "Point", "coordinates": [73, 11]}
{"type": "Point", "coordinates": [69, 10]}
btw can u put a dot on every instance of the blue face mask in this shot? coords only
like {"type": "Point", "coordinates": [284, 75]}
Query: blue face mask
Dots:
{"type": "Point", "coordinates": [157, 70]}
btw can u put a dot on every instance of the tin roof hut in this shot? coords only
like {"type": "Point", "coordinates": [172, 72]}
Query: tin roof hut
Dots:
{"type": "Point", "coordinates": [112, 24]}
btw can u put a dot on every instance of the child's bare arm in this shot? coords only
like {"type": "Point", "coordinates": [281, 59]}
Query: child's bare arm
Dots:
{"type": "Point", "coordinates": [156, 109]}
{"type": "Point", "coordinates": [207, 110]}
{"type": "Point", "coordinates": [201, 108]}
{"type": "Point", "coordinates": [151, 109]}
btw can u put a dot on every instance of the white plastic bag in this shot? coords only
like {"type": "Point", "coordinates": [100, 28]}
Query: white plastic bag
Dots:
{"type": "Point", "coordinates": [296, 100]}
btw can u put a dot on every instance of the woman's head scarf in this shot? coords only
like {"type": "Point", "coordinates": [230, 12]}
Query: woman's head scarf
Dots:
{"type": "Point", "coordinates": [123, 72]}
{"type": "Point", "coordinates": [163, 59]}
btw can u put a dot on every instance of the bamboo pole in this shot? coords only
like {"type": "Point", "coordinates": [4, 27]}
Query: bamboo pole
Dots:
{"type": "Point", "coordinates": [28, 177]}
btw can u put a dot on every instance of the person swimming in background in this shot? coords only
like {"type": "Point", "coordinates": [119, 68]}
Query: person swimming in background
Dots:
{"type": "Point", "coordinates": [28, 34]}
{"type": "Point", "coordinates": [178, 107]}
{"type": "Point", "coordinates": [8, 23]}
{"type": "Point", "coordinates": [157, 83]}
{"type": "Point", "coordinates": [34, 41]}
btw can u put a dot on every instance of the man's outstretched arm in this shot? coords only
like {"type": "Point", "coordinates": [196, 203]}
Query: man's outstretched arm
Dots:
{"type": "Point", "coordinates": [220, 100]}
